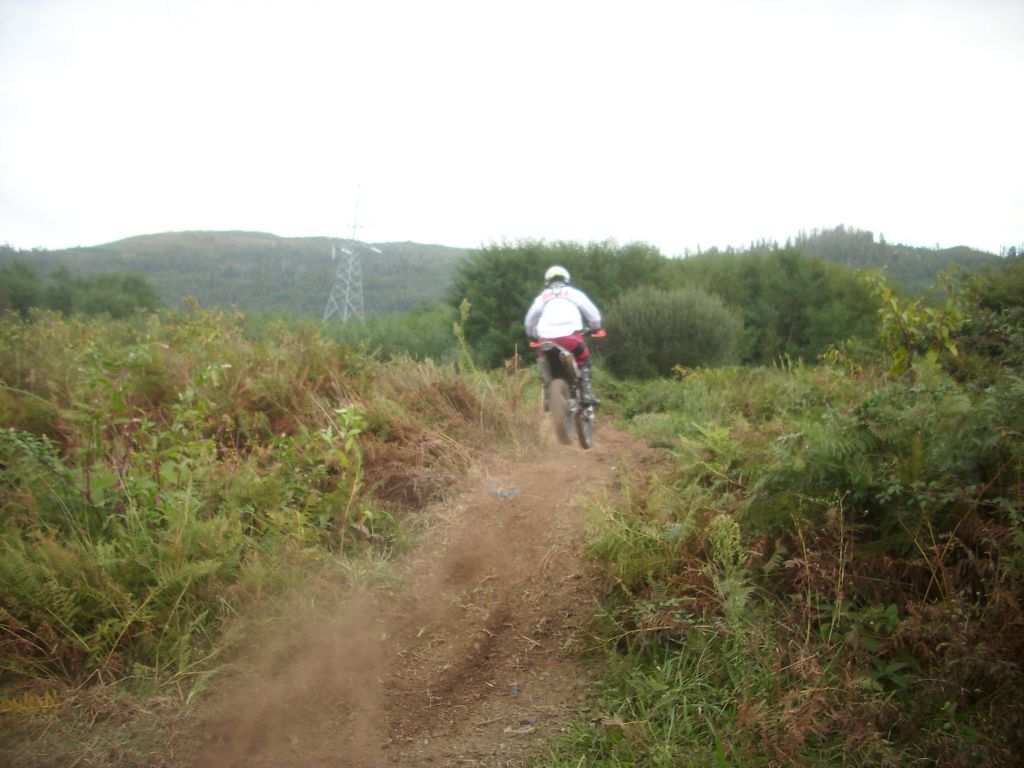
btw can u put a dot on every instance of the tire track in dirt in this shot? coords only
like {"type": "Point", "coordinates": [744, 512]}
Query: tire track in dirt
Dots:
{"type": "Point", "coordinates": [467, 662]}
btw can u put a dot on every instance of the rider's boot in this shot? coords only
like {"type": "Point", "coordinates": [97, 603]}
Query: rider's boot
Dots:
{"type": "Point", "coordinates": [586, 385]}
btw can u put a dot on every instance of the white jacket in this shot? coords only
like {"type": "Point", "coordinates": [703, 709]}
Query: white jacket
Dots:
{"type": "Point", "coordinates": [559, 311]}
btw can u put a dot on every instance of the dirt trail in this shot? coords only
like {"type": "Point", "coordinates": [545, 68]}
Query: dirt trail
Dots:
{"type": "Point", "coordinates": [465, 663]}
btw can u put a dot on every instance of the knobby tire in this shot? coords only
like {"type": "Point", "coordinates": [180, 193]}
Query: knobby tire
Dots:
{"type": "Point", "coordinates": [584, 430]}
{"type": "Point", "coordinates": [561, 413]}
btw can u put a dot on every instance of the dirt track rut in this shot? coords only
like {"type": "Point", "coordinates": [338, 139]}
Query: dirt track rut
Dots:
{"type": "Point", "coordinates": [468, 661]}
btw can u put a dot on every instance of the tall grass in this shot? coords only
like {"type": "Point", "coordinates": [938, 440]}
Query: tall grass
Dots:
{"type": "Point", "coordinates": [161, 475]}
{"type": "Point", "coordinates": [828, 571]}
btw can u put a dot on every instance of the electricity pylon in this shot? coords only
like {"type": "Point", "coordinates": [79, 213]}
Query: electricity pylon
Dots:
{"type": "Point", "coordinates": [346, 297]}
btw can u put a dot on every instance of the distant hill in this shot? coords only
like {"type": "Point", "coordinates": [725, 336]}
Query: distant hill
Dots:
{"type": "Point", "coordinates": [259, 272]}
{"type": "Point", "coordinates": [911, 267]}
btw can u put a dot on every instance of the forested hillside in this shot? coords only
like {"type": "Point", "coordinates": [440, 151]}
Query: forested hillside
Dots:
{"type": "Point", "coordinates": [915, 269]}
{"type": "Point", "coordinates": [258, 272]}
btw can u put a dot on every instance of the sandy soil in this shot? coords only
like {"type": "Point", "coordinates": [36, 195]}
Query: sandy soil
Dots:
{"type": "Point", "coordinates": [468, 661]}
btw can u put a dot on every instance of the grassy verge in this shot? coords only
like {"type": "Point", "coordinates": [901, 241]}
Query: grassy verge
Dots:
{"type": "Point", "coordinates": [166, 481]}
{"type": "Point", "coordinates": [828, 572]}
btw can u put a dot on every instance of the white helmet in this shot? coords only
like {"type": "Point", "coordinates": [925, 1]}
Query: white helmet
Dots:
{"type": "Point", "coordinates": [556, 273]}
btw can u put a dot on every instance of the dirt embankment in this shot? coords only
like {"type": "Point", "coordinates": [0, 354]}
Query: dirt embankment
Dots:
{"type": "Point", "coordinates": [468, 661]}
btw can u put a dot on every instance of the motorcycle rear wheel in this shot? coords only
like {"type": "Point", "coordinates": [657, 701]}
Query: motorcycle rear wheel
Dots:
{"type": "Point", "coordinates": [561, 411]}
{"type": "Point", "coordinates": [585, 428]}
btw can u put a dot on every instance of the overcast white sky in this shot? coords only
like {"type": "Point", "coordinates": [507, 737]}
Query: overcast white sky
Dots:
{"type": "Point", "coordinates": [682, 124]}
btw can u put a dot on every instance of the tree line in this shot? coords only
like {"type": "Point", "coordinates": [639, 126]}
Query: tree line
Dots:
{"type": "Point", "coordinates": [716, 308]}
{"type": "Point", "coordinates": [754, 306]}
{"type": "Point", "coordinates": [116, 295]}
{"type": "Point", "coordinates": [291, 277]}
{"type": "Point", "coordinates": [758, 306]}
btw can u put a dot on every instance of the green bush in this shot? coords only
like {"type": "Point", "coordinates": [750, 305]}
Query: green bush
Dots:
{"type": "Point", "coordinates": [652, 331]}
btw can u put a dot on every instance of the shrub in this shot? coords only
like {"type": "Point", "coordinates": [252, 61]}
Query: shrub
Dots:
{"type": "Point", "coordinates": [654, 330]}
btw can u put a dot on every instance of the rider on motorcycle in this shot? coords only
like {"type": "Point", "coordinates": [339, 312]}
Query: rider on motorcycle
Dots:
{"type": "Point", "coordinates": [557, 315]}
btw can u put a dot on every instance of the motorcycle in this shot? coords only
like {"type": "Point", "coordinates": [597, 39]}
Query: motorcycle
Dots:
{"type": "Point", "coordinates": [569, 414]}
